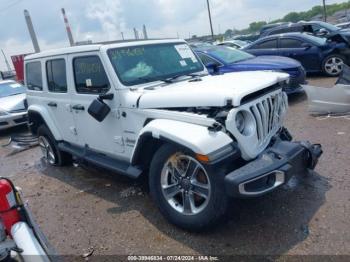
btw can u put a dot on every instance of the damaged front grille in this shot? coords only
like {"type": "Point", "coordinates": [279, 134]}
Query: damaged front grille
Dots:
{"type": "Point", "coordinates": [267, 113]}
{"type": "Point", "coordinates": [264, 117]}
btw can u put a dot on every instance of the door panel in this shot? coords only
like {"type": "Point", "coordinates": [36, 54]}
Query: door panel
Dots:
{"type": "Point", "coordinates": [58, 98]}
{"type": "Point", "coordinates": [90, 80]}
{"type": "Point", "coordinates": [295, 48]}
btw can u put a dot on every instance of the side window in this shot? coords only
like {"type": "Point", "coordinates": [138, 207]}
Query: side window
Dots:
{"type": "Point", "coordinates": [207, 60]}
{"type": "Point", "coordinates": [266, 45]}
{"type": "Point", "coordinates": [89, 75]}
{"type": "Point", "coordinates": [34, 76]}
{"type": "Point", "coordinates": [56, 75]}
{"type": "Point", "coordinates": [290, 43]}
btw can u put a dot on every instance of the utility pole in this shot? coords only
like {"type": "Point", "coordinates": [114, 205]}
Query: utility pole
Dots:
{"type": "Point", "coordinates": [145, 36]}
{"type": "Point", "coordinates": [31, 31]}
{"type": "Point", "coordinates": [136, 33]}
{"type": "Point", "coordinates": [122, 35]}
{"type": "Point", "coordinates": [69, 31]}
{"type": "Point", "coordinates": [324, 10]}
{"type": "Point", "coordinates": [6, 61]}
{"type": "Point", "coordinates": [211, 24]}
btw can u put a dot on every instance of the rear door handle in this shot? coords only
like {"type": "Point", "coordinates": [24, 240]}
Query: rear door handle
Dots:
{"type": "Point", "coordinates": [78, 107]}
{"type": "Point", "coordinates": [52, 104]}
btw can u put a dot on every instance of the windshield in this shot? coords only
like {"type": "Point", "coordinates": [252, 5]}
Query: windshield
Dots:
{"type": "Point", "coordinates": [329, 27]}
{"type": "Point", "coordinates": [11, 88]}
{"type": "Point", "coordinates": [142, 64]}
{"type": "Point", "coordinates": [229, 55]}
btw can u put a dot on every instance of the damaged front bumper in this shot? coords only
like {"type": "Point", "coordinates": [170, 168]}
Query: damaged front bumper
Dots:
{"type": "Point", "coordinates": [275, 166]}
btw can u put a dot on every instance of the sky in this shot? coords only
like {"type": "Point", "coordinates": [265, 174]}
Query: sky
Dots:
{"type": "Point", "coordinates": [102, 20]}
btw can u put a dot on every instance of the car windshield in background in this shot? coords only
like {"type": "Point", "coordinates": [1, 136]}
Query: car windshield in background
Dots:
{"type": "Point", "coordinates": [10, 89]}
{"type": "Point", "coordinates": [229, 55]}
{"type": "Point", "coordinates": [148, 63]}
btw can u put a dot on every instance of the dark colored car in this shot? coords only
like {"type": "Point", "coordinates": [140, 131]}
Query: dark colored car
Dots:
{"type": "Point", "coordinates": [222, 59]}
{"type": "Point", "coordinates": [314, 53]}
{"type": "Point", "coordinates": [316, 28]}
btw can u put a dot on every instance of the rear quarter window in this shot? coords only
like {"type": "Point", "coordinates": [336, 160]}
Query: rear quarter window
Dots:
{"type": "Point", "coordinates": [34, 79]}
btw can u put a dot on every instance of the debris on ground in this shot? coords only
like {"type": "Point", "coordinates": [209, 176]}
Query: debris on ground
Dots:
{"type": "Point", "coordinates": [335, 100]}
{"type": "Point", "coordinates": [131, 191]}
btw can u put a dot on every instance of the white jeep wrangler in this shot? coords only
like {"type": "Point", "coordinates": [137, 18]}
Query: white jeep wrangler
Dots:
{"type": "Point", "coordinates": [149, 108]}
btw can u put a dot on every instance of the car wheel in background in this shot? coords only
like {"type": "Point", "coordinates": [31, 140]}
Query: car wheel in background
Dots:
{"type": "Point", "coordinates": [50, 150]}
{"type": "Point", "coordinates": [186, 192]}
{"type": "Point", "coordinates": [333, 65]}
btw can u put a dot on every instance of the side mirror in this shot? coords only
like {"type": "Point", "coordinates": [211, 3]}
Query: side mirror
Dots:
{"type": "Point", "coordinates": [306, 46]}
{"type": "Point", "coordinates": [212, 67]}
{"type": "Point", "coordinates": [99, 109]}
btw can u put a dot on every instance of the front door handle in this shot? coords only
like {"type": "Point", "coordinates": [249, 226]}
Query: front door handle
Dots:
{"type": "Point", "coordinates": [78, 107]}
{"type": "Point", "coordinates": [52, 104]}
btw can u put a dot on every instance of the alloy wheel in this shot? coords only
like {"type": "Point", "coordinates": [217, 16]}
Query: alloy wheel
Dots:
{"type": "Point", "coordinates": [334, 65]}
{"type": "Point", "coordinates": [47, 150]}
{"type": "Point", "coordinates": [185, 184]}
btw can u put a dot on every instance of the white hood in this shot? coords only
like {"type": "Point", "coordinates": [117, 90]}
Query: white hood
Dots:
{"type": "Point", "coordinates": [212, 91]}
{"type": "Point", "coordinates": [15, 102]}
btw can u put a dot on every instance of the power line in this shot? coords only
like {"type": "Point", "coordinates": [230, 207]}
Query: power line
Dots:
{"type": "Point", "coordinates": [2, 9]}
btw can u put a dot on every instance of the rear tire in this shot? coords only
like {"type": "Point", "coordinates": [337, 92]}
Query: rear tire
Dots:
{"type": "Point", "coordinates": [174, 169]}
{"type": "Point", "coordinates": [333, 65]}
{"type": "Point", "coordinates": [50, 149]}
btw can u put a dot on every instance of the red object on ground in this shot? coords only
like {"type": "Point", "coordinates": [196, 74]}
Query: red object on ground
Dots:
{"type": "Point", "coordinates": [18, 63]}
{"type": "Point", "coordinates": [8, 212]}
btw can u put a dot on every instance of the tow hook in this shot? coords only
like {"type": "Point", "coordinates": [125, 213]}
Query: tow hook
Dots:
{"type": "Point", "coordinates": [314, 152]}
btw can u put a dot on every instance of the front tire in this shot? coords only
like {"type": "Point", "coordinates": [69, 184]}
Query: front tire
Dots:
{"type": "Point", "coordinates": [333, 65]}
{"type": "Point", "coordinates": [50, 150]}
{"type": "Point", "coordinates": [187, 193]}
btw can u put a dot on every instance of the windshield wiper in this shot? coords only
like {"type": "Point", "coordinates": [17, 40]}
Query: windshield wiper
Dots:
{"type": "Point", "coordinates": [171, 79]}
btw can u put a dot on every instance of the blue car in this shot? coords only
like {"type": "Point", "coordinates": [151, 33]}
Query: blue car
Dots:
{"type": "Point", "coordinates": [222, 59]}
{"type": "Point", "coordinates": [316, 54]}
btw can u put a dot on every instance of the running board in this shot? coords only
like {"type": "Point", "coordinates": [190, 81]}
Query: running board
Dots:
{"type": "Point", "coordinates": [101, 160]}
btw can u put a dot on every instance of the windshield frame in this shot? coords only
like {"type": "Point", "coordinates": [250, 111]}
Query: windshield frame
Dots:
{"type": "Point", "coordinates": [165, 77]}
{"type": "Point", "coordinates": [8, 85]}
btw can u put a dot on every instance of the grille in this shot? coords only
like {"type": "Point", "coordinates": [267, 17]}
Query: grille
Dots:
{"type": "Point", "coordinates": [267, 114]}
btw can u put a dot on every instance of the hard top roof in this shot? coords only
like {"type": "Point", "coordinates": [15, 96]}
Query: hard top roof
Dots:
{"type": "Point", "coordinates": [98, 46]}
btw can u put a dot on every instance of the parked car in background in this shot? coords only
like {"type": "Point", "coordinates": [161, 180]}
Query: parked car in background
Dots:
{"type": "Point", "coordinates": [270, 26]}
{"type": "Point", "coordinates": [238, 44]}
{"type": "Point", "coordinates": [316, 28]}
{"type": "Point", "coordinates": [344, 25]}
{"type": "Point", "coordinates": [13, 105]}
{"type": "Point", "coordinates": [314, 53]}
{"type": "Point", "coordinates": [221, 59]}
{"type": "Point", "coordinates": [199, 44]}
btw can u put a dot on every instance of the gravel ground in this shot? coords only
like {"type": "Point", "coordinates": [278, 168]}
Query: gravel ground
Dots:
{"type": "Point", "coordinates": [80, 208]}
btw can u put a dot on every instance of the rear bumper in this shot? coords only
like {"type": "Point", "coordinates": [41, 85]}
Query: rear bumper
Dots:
{"type": "Point", "coordinates": [273, 168]}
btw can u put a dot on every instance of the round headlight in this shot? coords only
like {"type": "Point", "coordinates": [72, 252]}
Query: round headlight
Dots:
{"type": "Point", "coordinates": [240, 122]}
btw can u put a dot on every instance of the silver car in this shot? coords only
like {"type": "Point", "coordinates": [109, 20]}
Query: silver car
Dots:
{"type": "Point", "coordinates": [13, 105]}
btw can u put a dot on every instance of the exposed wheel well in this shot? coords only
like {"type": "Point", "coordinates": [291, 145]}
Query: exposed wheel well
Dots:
{"type": "Point", "coordinates": [146, 147]}
{"type": "Point", "coordinates": [35, 121]}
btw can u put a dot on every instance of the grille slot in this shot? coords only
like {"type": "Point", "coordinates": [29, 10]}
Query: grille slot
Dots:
{"type": "Point", "coordinates": [267, 114]}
